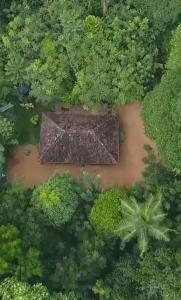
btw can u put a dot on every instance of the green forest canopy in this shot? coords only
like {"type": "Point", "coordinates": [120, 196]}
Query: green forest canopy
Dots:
{"type": "Point", "coordinates": [69, 239]}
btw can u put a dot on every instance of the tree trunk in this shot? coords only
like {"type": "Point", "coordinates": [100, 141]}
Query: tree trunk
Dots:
{"type": "Point", "coordinates": [104, 7]}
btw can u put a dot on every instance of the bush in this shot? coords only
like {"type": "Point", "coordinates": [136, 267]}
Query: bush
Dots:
{"type": "Point", "coordinates": [57, 198]}
{"type": "Point", "coordinates": [6, 132]}
{"type": "Point", "coordinates": [35, 120]}
{"type": "Point", "coordinates": [106, 212]}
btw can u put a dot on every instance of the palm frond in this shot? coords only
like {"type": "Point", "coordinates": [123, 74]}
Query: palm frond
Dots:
{"type": "Point", "coordinates": [129, 236]}
{"type": "Point", "coordinates": [124, 227]}
{"type": "Point", "coordinates": [125, 205]}
{"type": "Point", "coordinates": [159, 233]}
{"type": "Point", "coordinates": [136, 206]}
{"type": "Point", "coordinates": [158, 218]}
{"type": "Point", "coordinates": [148, 205]}
{"type": "Point", "coordinates": [142, 242]}
{"type": "Point", "coordinates": [156, 204]}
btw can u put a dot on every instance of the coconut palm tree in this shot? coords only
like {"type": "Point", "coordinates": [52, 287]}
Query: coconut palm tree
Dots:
{"type": "Point", "coordinates": [143, 221]}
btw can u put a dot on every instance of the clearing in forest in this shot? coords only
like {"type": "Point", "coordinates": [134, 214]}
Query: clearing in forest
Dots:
{"type": "Point", "coordinates": [25, 163]}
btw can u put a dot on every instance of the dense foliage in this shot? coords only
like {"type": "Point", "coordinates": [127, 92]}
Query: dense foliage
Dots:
{"type": "Point", "coordinates": [162, 108]}
{"type": "Point", "coordinates": [12, 289]}
{"type": "Point", "coordinates": [102, 61]}
{"type": "Point", "coordinates": [73, 258]}
{"type": "Point", "coordinates": [70, 239]}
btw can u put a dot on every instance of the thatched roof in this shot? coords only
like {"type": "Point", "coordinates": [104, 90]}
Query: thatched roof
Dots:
{"type": "Point", "coordinates": [80, 138]}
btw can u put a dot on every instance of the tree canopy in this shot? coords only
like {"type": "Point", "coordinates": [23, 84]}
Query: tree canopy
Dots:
{"type": "Point", "coordinates": [102, 61]}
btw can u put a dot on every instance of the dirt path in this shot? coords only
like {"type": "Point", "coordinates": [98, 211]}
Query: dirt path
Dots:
{"type": "Point", "coordinates": [31, 172]}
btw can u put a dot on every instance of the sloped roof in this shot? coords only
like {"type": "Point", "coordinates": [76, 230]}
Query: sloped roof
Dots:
{"type": "Point", "coordinates": [75, 137]}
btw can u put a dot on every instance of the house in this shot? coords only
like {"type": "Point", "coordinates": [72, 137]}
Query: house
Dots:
{"type": "Point", "coordinates": [79, 137]}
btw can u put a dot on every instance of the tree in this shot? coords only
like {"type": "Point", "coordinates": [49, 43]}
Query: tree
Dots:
{"type": "Point", "coordinates": [37, 59]}
{"type": "Point", "coordinates": [82, 264]}
{"type": "Point", "coordinates": [57, 198]}
{"type": "Point", "coordinates": [106, 211]}
{"type": "Point", "coordinates": [121, 62]}
{"type": "Point", "coordinates": [14, 259]}
{"type": "Point", "coordinates": [16, 208]}
{"type": "Point", "coordinates": [172, 195]}
{"type": "Point", "coordinates": [143, 221]}
{"type": "Point", "coordinates": [12, 289]}
{"type": "Point", "coordinates": [161, 110]}
{"type": "Point", "coordinates": [29, 265]}
{"type": "Point", "coordinates": [10, 248]}
{"type": "Point", "coordinates": [155, 173]}
{"type": "Point", "coordinates": [163, 14]}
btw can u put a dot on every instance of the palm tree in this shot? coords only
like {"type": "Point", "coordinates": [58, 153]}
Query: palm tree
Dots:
{"type": "Point", "coordinates": [143, 221]}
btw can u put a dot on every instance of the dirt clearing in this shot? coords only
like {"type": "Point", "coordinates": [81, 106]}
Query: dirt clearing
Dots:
{"type": "Point", "coordinates": [25, 164]}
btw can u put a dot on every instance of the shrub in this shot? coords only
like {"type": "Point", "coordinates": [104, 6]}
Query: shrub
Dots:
{"type": "Point", "coordinates": [35, 120]}
{"type": "Point", "coordinates": [6, 132]}
{"type": "Point", "coordinates": [106, 212]}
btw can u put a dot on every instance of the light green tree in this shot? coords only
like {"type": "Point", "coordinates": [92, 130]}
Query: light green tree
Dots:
{"type": "Point", "coordinates": [106, 211]}
{"type": "Point", "coordinates": [143, 221]}
{"type": "Point", "coordinates": [57, 198]}
{"type": "Point", "coordinates": [12, 289]}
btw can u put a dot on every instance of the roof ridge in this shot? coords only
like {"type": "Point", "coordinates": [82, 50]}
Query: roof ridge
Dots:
{"type": "Point", "coordinates": [53, 121]}
{"type": "Point", "coordinates": [102, 144]}
{"type": "Point", "coordinates": [48, 147]}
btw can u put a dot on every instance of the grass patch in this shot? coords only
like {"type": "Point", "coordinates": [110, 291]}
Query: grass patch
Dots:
{"type": "Point", "coordinates": [27, 133]}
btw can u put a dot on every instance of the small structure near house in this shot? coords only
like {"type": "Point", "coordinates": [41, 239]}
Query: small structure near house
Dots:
{"type": "Point", "coordinates": [79, 137]}
{"type": "Point", "coordinates": [6, 107]}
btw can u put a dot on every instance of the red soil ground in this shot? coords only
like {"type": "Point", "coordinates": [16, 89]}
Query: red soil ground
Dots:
{"type": "Point", "coordinates": [130, 168]}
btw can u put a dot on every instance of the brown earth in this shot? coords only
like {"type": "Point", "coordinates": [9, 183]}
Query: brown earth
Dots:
{"type": "Point", "coordinates": [31, 172]}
